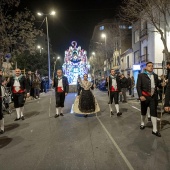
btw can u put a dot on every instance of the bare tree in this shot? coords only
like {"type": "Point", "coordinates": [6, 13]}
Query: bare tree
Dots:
{"type": "Point", "coordinates": [155, 12]}
{"type": "Point", "coordinates": [17, 29]}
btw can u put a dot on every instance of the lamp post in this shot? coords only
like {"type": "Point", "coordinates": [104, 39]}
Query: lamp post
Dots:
{"type": "Point", "coordinates": [48, 44]}
{"type": "Point", "coordinates": [55, 62]}
{"type": "Point", "coordinates": [104, 36]}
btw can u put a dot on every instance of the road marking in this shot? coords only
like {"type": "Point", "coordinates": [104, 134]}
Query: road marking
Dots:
{"type": "Point", "coordinates": [136, 108]}
{"type": "Point", "coordinates": [72, 109]}
{"type": "Point", "coordinates": [116, 146]}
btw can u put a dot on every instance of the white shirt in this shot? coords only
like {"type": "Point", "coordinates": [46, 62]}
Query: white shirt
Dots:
{"type": "Point", "coordinates": [114, 83]}
{"type": "Point", "coordinates": [16, 83]}
{"type": "Point", "coordinates": [60, 83]}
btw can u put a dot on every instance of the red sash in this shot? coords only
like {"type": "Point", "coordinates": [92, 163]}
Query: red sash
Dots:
{"type": "Point", "coordinates": [113, 89]}
{"type": "Point", "coordinates": [59, 89]}
{"type": "Point", "coordinates": [14, 91]}
{"type": "Point", "coordinates": [144, 93]}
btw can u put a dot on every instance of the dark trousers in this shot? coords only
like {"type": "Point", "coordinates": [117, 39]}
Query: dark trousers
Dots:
{"type": "Point", "coordinates": [60, 97]}
{"type": "Point", "coordinates": [19, 99]}
{"type": "Point", "coordinates": [115, 96]}
{"type": "Point", "coordinates": [36, 92]}
{"type": "Point", "coordinates": [151, 102]}
{"type": "Point", "coordinates": [129, 89]}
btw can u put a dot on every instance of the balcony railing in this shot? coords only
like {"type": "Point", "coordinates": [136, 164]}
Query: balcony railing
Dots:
{"type": "Point", "coordinates": [141, 59]}
{"type": "Point", "coordinates": [144, 58]}
{"type": "Point", "coordinates": [143, 33]}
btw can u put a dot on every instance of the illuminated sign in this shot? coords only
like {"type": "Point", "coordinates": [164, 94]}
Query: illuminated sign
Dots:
{"type": "Point", "coordinates": [136, 67]}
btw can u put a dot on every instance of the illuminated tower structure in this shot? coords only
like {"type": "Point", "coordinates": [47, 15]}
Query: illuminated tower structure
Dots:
{"type": "Point", "coordinates": [75, 63]}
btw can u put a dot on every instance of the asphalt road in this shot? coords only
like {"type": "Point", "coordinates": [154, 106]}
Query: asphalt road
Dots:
{"type": "Point", "coordinates": [72, 142]}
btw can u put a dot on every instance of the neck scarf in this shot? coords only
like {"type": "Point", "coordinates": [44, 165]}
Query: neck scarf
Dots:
{"type": "Point", "coordinates": [113, 77]}
{"type": "Point", "coordinates": [18, 78]}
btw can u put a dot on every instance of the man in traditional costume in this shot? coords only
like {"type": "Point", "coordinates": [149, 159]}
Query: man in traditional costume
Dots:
{"type": "Point", "coordinates": [113, 84]}
{"type": "Point", "coordinates": [61, 90]}
{"type": "Point", "coordinates": [18, 87]}
{"type": "Point", "coordinates": [147, 84]}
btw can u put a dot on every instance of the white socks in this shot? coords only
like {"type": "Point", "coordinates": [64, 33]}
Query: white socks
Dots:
{"type": "Point", "coordinates": [18, 112]}
{"type": "Point", "coordinates": [117, 108]}
{"type": "Point", "coordinates": [57, 110]}
{"type": "Point", "coordinates": [154, 123]}
{"type": "Point", "coordinates": [110, 106]}
{"type": "Point", "coordinates": [143, 120]}
{"type": "Point", "coordinates": [21, 111]}
{"type": "Point", "coordinates": [2, 124]}
{"type": "Point", "coordinates": [148, 112]}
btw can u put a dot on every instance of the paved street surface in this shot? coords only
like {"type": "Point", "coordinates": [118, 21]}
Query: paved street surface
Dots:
{"type": "Point", "coordinates": [72, 142]}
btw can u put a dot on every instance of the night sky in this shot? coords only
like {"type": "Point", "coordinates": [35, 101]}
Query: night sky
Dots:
{"type": "Point", "coordinates": [75, 20]}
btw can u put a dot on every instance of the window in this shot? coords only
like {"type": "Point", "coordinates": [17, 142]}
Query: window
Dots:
{"type": "Point", "coordinates": [136, 36]}
{"type": "Point", "coordinates": [127, 61]}
{"type": "Point", "coordinates": [136, 57]}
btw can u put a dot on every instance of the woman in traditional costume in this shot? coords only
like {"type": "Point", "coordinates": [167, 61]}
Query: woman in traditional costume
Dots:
{"type": "Point", "coordinates": [85, 103]}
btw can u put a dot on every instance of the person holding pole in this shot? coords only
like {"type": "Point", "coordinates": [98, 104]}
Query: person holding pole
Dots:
{"type": "Point", "coordinates": [147, 84]}
{"type": "Point", "coordinates": [113, 84]}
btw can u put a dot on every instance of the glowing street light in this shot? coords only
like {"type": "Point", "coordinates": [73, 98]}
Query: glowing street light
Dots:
{"type": "Point", "coordinates": [93, 53]}
{"type": "Point", "coordinates": [39, 47]}
{"type": "Point", "coordinates": [49, 70]}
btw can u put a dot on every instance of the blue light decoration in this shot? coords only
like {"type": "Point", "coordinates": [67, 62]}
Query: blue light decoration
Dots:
{"type": "Point", "coordinates": [75, 63]}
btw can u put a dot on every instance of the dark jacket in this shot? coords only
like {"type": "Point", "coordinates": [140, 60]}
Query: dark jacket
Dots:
{"type": "Point", "coordinates": [167, 93]}
{"type": "Point", "coordinates": [144, 83]}
{"type": "Point", "coordinates": [124, 82]}
{"type": "Point", "coordinates": [22, 82]}
{"type": "Point", "coordinates": [65, 83]}
{"type": "Point", "coordinates": [110, 83]}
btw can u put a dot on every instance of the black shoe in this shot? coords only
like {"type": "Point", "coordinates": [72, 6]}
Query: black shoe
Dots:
{"type": "Point", "coordinates": [61, 114]}
{"type": "Point", "coordinates": [149, 119]}
{"type": "Point", "coordinates": [142, 127]}
{"type": "Point", "coordinates": [56, 116]}
{"type": "Point", "coordinates": [17, 119]}
{"type": "Point", "coordinates": [119, 114]}
{"type": "Point", "coordinates": [23, 118]}
{"type": "Point", "coordinates": [156, 134]}
{"type": "Point", "coordinates": [111, 113]}
{"type": "Point", "coordinates": [1, 131]}
{"type": "Point", "coordinates": [85, 116]}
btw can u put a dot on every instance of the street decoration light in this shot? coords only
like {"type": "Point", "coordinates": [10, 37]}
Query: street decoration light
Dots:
{"type": "Point", "coordinates": [48, 44]}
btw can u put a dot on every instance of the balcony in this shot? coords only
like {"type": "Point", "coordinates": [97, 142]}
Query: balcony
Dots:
{"type": "Point", "coordinates": [141, 59]}
{"type": "Point", "coordinates": [143, 33]}
{"type": "Point", "coordinates": [144, 59]}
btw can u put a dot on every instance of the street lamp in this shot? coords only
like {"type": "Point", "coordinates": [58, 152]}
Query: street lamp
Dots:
{"type": "Point", "coordinates": [48, 44]}
{"type": "Point", "coordinates": [39, 47]}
